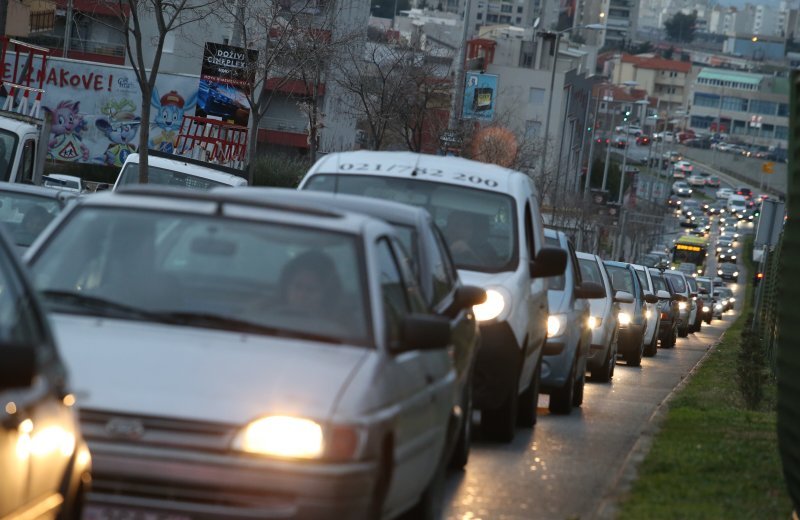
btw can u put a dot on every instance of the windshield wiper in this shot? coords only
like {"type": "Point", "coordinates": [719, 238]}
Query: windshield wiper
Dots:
{"type": "Point", "coordinates": [237, 325]}
{"type": "Point", "coordinates": [98, 304]}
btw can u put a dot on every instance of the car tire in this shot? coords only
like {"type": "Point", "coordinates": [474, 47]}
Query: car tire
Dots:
{"type": "Point", "coordinates": [561, 398]}
{"type": "Point", "coordinates": [580, 386]}
{"type": "Point", "coordinates": [431, 504]}
{"type": "Point", "coordinates": [500, 423]}
{"type": "Point", "coordinates": [708, 321]}
{"type": "Point", "coordinates": [683, 332]}
{"type": "Point", "coordinates": [652, 348]}
{"type": "Point", "coordinates": [605, 372]}
{"type": "Point", "coordinates": [529, 400]}
{"type": "Point", "coordinates": [634, 359]}
{"type": "Point", "coordinates": [460, 456]}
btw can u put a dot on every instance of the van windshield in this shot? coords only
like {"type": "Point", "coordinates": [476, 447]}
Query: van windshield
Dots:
{"type": "Point", "coordinates": [162, 176]}
{"type": "Point", "coordinates": [8, 151]}
{"type": "Point", "coordinates": [479, 225]}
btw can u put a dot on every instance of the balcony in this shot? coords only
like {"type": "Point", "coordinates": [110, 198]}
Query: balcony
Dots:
{"type": "Point", "coordinates": [101, 52]}
{"type": "Point", "coordinates": [283, 132]}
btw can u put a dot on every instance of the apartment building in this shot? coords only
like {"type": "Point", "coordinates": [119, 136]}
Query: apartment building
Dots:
{"type": "Point", "coordinates": [622, 21]}
{"type": "Point", "coordinates": [667, 80]}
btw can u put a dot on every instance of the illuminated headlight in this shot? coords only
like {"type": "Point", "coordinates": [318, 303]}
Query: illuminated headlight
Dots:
{"type": "Point", "coordinates": [718, 307]}
{"type": "Point", "coordinates": [736, 273]}
{"type": "Point", "coordinates": [556, 325]}
{"type": "Point", "coordinates": [282, 436]}
{"type": "Point", "coordinates": [706, 308]}
{"type": "Point", "coordinates": [719, 249]}
{"type": "Point", "coordinates": [694, 275]}
{"type": "Point", "coordinates": [648, 313]}
{"type": "Point", "coordinates": [682, 306]}
{"type": "Point", "coordinates": [594, 322]}
{"type": "Point", "coordinates": [731, 299]}
{"type": "Point", "coordinates": [624, 319]}
{"type": "Point", "coordinates": [733, 257]}
{"type": "Point", "coordinates": [490, 309]}
{"type": "Point", "coordinates": [719, 272]}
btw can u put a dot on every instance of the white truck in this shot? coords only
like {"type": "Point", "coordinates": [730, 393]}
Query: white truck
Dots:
{"type": "Point", "coordinates": [175, 170]}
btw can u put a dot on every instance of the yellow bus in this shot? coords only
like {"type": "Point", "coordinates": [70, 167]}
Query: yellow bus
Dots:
{"type": "Point", "coordinates": [690, 249]}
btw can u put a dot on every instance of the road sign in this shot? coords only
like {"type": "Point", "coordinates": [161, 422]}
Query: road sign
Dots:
{"type": "Point", "coordinates": [768, 167]}
{"type": "Point", "coordinates": [770, 223]}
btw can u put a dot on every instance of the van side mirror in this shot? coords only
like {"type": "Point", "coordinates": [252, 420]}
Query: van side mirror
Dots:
{"type": "Point", "coordinates": [650, 298]}
{"type": "Point", "coordinates": [468, 296]}
{"type": "Point", "coordinates": [590, 291]}
{"type": "Point", "coordinates": [550, 261]}
{"type": "Point", "coordinates": [424, 332]}
{"type": "Point", "coordinates": [623, 297]}
{"type": "Point", "coordinates": [663, 295]}
{"type": "Point", "coordinates": [18, 366]}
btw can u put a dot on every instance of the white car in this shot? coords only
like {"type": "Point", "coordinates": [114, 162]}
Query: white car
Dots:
{"type": "Point", "coordinates": [222, 347]}
{"type": "Point", "coordinates": [175, 170]}
{"type": "Point", "coordinates": [603, 320]}
{"type": "Point", "coordinates": [681, 169]}
{"type": "Point", "coordinates": [489, 217]}
{"type": "Point", "coordinates": [60, 181]}
{"type": "Point", "coordinates": [667, 137]}
{"type": "Point", "coordinates": [696, 180]}
{"type": "Point", "coordinates": [651, 314]}
{"type": "Point", "coordinates": [682, 189]}
{"type": "Point", "coordinates": [724, 193]}
{"type": "Point", "coordinates": [634, 130]}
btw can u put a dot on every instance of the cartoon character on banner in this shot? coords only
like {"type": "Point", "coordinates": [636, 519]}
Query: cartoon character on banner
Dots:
{"type": "Point", "coordinates": [169, 116]}
{"type": "Point", "coordinates": [120, 127]}
{"type": "Point", "coordinates": [66, 143]}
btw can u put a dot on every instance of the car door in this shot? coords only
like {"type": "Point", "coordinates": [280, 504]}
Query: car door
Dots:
{"type": "Point", "coordinates": [537, 296]}
{"type": "Point", "coordinates": [37, 430]}
{"type": "Point", "coordinates": [418, 433]}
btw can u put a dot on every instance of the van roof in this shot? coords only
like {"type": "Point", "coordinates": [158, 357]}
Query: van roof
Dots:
{"type": "Point", "coordinates": [406, 165]}
{"type": "Point", "coordinates": [179, 165]}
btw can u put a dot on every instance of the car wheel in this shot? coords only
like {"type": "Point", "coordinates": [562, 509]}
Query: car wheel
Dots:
{"type": "Point", "coordinates": [529, 400]}
{"type": "Point", "coordinates": [499, 423]}
{"type": "Point", "coordinates": [652, 349]}
{"type": "Point", "coordinates": [561, 398]}
{"type": "Point", "coordinates": [708, 321]}
{"type": "Point", "coordinates": [460, 455]}
{"type": "Point", "coordinates": [673, 338]}
{"type": "Point", "coordinates": [683, 332]}
{"type": "Point", "coordinates": [603, 373]}
{"type": "Point", "coordinates": [580, 385]}
{"type": "Point", "coordinates": [431, 504]}
{"type": "Point", "coordinates": [634, 359]}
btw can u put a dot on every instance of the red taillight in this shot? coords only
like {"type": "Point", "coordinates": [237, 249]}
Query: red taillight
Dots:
{"type": "Point", "coordinates": [760, 276]}
{"type": "Point", "coordinates": [664, 316]}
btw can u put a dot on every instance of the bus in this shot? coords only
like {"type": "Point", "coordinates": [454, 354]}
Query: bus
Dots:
{"type": "Point", "coordinates": [690, 249]}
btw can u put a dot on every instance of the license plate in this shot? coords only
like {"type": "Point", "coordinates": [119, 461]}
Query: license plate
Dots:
{"type": "Point", "coordinates": [95, 512]}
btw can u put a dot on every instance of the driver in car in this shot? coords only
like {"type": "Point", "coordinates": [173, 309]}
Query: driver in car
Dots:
{"type": "Point", "coordinates": [310, 284]}
{"type": "Point", "coordinates": [467, 236]}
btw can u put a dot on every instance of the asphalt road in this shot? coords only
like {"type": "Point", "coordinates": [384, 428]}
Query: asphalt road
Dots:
{"type": "Point", "coordinates": [571, 467]}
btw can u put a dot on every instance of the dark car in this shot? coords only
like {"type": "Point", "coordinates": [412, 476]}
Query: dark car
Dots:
{"type": "Point", "coordinates": [632, 320]}
{"type": "Point", "coordinates": [680, 288]}
{"type": "Point", "coordinates": [668, 307]}
{"type": "Point", "coordinates": [705, 298]}
{"type": "Point", "coordinates": [744, 191]}
{"type": "Point", "coordinates": [698, 316]}
{"type": "Point", "coordinates": [728, 271]}
{"type": "Point", "coordinates": [674, 201]}
{"type": "Point", "coordinates": [45, 464]}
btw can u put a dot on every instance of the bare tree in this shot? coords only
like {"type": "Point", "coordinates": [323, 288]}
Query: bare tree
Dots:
{"type": "Point", "coordinates": [166, 16]}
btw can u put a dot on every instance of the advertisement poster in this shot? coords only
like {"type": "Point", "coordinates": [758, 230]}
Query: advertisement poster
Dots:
{"type": "Point", "coordinates": [480, 96]}
{"type": "Point", "coordinates": [226, 78]}
{"type": "Point", "coordinates": [96, 110]}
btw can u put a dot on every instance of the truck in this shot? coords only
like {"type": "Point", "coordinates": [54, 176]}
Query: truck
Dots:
{"type": "Point", "coordinates": [24, 127]}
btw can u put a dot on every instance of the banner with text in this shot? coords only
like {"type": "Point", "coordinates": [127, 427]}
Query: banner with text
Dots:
{"type": "Point", "coordinates": [480, 96]}
{"type": "Point", "coordinates": [226, 78]}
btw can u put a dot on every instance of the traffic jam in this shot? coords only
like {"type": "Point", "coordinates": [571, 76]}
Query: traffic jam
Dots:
{"type": "Point", "coordinates": [195, 348]}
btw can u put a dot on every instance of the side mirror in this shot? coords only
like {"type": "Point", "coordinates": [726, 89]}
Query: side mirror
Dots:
{"type": "Point", "coordinates": [590, 291]}
{"type": "Point", "coordinates": [693, 295]}
{"type": "Point", "coordinates": [425, 332]}
{"type": "Point", "coordinates": [651, 298]}
{"type": "Point", "coordinates": [623, 297]}
{"type": "Point", "coordinates": [468, 296]}
{"type": "Point", "coordinates": [680, 298]}
{"type": "Point", "coordinates": [663, 295]}
{"type": "Point", "coordinates": [18, 366]}
{"type": "Point", "coordinates": [550, 261]}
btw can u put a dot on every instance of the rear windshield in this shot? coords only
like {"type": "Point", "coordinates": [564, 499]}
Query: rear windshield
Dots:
{"type": "Point", "coordinates": [678, 282]}
{"type": "Point", "coordinates": [590, 271]}
{"type": "Point", "coordinates": [162, 176]}
{"type": "Point", "coordinates": [658, 282]}
{"type": "Point", "coordinates": [692, 284]}
{"type": "Point", "coordinates": [621, 279]}
{"type": "Point", "coordinates": [704, 284]}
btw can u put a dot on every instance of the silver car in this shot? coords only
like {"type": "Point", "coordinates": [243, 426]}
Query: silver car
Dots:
{"type": "Point", "coordinates": [237, 359]}
{"type": "Point", "coordinates": [651, 313]}
{"type": "Point", "coordinates": [603, 320]}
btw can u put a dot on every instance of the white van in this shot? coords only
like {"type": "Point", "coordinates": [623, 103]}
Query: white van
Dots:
{"type": "Point", "coordinates": [736, 204]}
{"type": "Point", "coordinates": [489, 217]}
{"type": "Point", "coordinates": [174, 170]}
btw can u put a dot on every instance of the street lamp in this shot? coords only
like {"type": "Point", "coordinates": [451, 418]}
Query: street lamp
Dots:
{"type": "Point", "coordinates": [591, 26]}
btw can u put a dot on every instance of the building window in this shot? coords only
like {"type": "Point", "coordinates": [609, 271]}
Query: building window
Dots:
{"type": "Point", "coordinates": [519, 20]}
{"type": "Point", "coordinates": [739, 127]}
{"type": "Point", "coordinates": [491, 18]}
{"type": "Point", "coordinates": [506, 8]}
{"type": "Point", "coordinates": [781, 132]}
{"type": "Point", "coordinates": [734, 104]}
{"type": "Point", "coordinates": [536, 96]}
{"type": "Point", "coordinates": [169, 42]}
{"type": "Point", "coordinates": [519, 9]}
{"type": "Point", "coordinates": [42, 20]}
{"type": "Point", "coordinates": [505, 19]}
{"type": "Point", "coordinates": [532, 129]}
{"type": "Point", "coordinates": [783, 109]}
{"type": "Point", "coordinates": [480, 17]}
{"type": "Point", "coordinates": [702, 99]}
{"type": "Point", "coordinates": [701, 122]}
{"type": "Point", "coordinates": [758, 106]}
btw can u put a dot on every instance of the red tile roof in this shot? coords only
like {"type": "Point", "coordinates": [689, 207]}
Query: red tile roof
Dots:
{"type": "Point", "coordinates": [657, 63]}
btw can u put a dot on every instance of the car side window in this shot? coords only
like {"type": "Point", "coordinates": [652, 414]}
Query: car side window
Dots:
{"type": "Point", "coordinates": [529, 239]}
{"type": "Point", "coordinates": [443, 273]}
{"type": "Point", "coordinates": [393, 292]}
{"type": "Point", "coordinates": [576, 271]}
{"type": "Point", "coordinates": [410, 281]}
{"type": "Point", "coordinates": [19, 323]}
{"type": "Point", "coordinates": [26, 165]}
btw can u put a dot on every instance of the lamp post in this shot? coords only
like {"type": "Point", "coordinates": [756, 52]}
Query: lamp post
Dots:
{"type": "Point", "coordinates": [591, 26]}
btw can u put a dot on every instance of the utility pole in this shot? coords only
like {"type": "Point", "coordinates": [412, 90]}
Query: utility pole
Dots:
{"type": "Point", "coordinates": [68, 29]}
{"type": "Point", "coordinates": [236, 34]}
{"type": "Point", "coordinates": [554, 51]}
{"type": "Point", "coordinates": [608, 149]}
{"type": "Point", "coordinates": [587, 181]}
{"type": "Point", "coordinates": [458, 73]}
{"type": "Point", "coordinates": [3, 15]}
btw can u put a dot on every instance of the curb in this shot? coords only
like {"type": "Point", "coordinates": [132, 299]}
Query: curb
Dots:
{"type": "Point", "coordinates": [627, 474]}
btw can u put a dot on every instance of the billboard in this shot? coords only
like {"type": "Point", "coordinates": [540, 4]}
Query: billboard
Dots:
{"type": "Point", "coordinates": [226, 78]}
{"type": "Point", "coordinates": [480, 96]}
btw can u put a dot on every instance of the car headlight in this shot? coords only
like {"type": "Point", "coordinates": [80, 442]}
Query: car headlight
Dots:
{"type": "Point", "coordinates": [731, 299]}
{"type": "Point", "coordinates": [282, 436]}
{"type": "Point", "coordinates": [682, 306]}
{"type": "Point", "coordinates": [736, 273]}
{"type": "Point", "coordinates": [594, 322]}
{"type": "Point", "coordinates": [556, 325]}
{"type": "Point", "coordinates": [719, 272]}
{"type": "Point", "coordinates": [694, 275]}
{"type": "Point", "coordinates": [719, 249]}
{"type": "Point", "coordinates": [624, 319]}
{"type": "Point", "coordinates": [733, 257]}
{"type": "Point", "coordinates": [648, 313]}
{"type": "Point", "coordinates": [490, 309]}
{"type": "Point", "coordinates": [706, 308]}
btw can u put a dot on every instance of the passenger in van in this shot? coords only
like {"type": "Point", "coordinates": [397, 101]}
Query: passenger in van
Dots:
{"type": "Point", "coordinates": [468, 238]}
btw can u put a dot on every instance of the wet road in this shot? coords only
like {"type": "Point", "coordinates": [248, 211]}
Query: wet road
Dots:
{"type": "Point", "coordinates": [568, 466]}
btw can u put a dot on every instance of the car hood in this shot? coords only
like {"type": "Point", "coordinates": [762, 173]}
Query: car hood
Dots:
{"type": "Point", "coordinates": [599, 307]}
{"type": "Point", "coordinates": [200, 374]}
{"type": "Point", "coordinates": [558, 301]}
{"type": "Point", "coordinates": [484, 280]}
